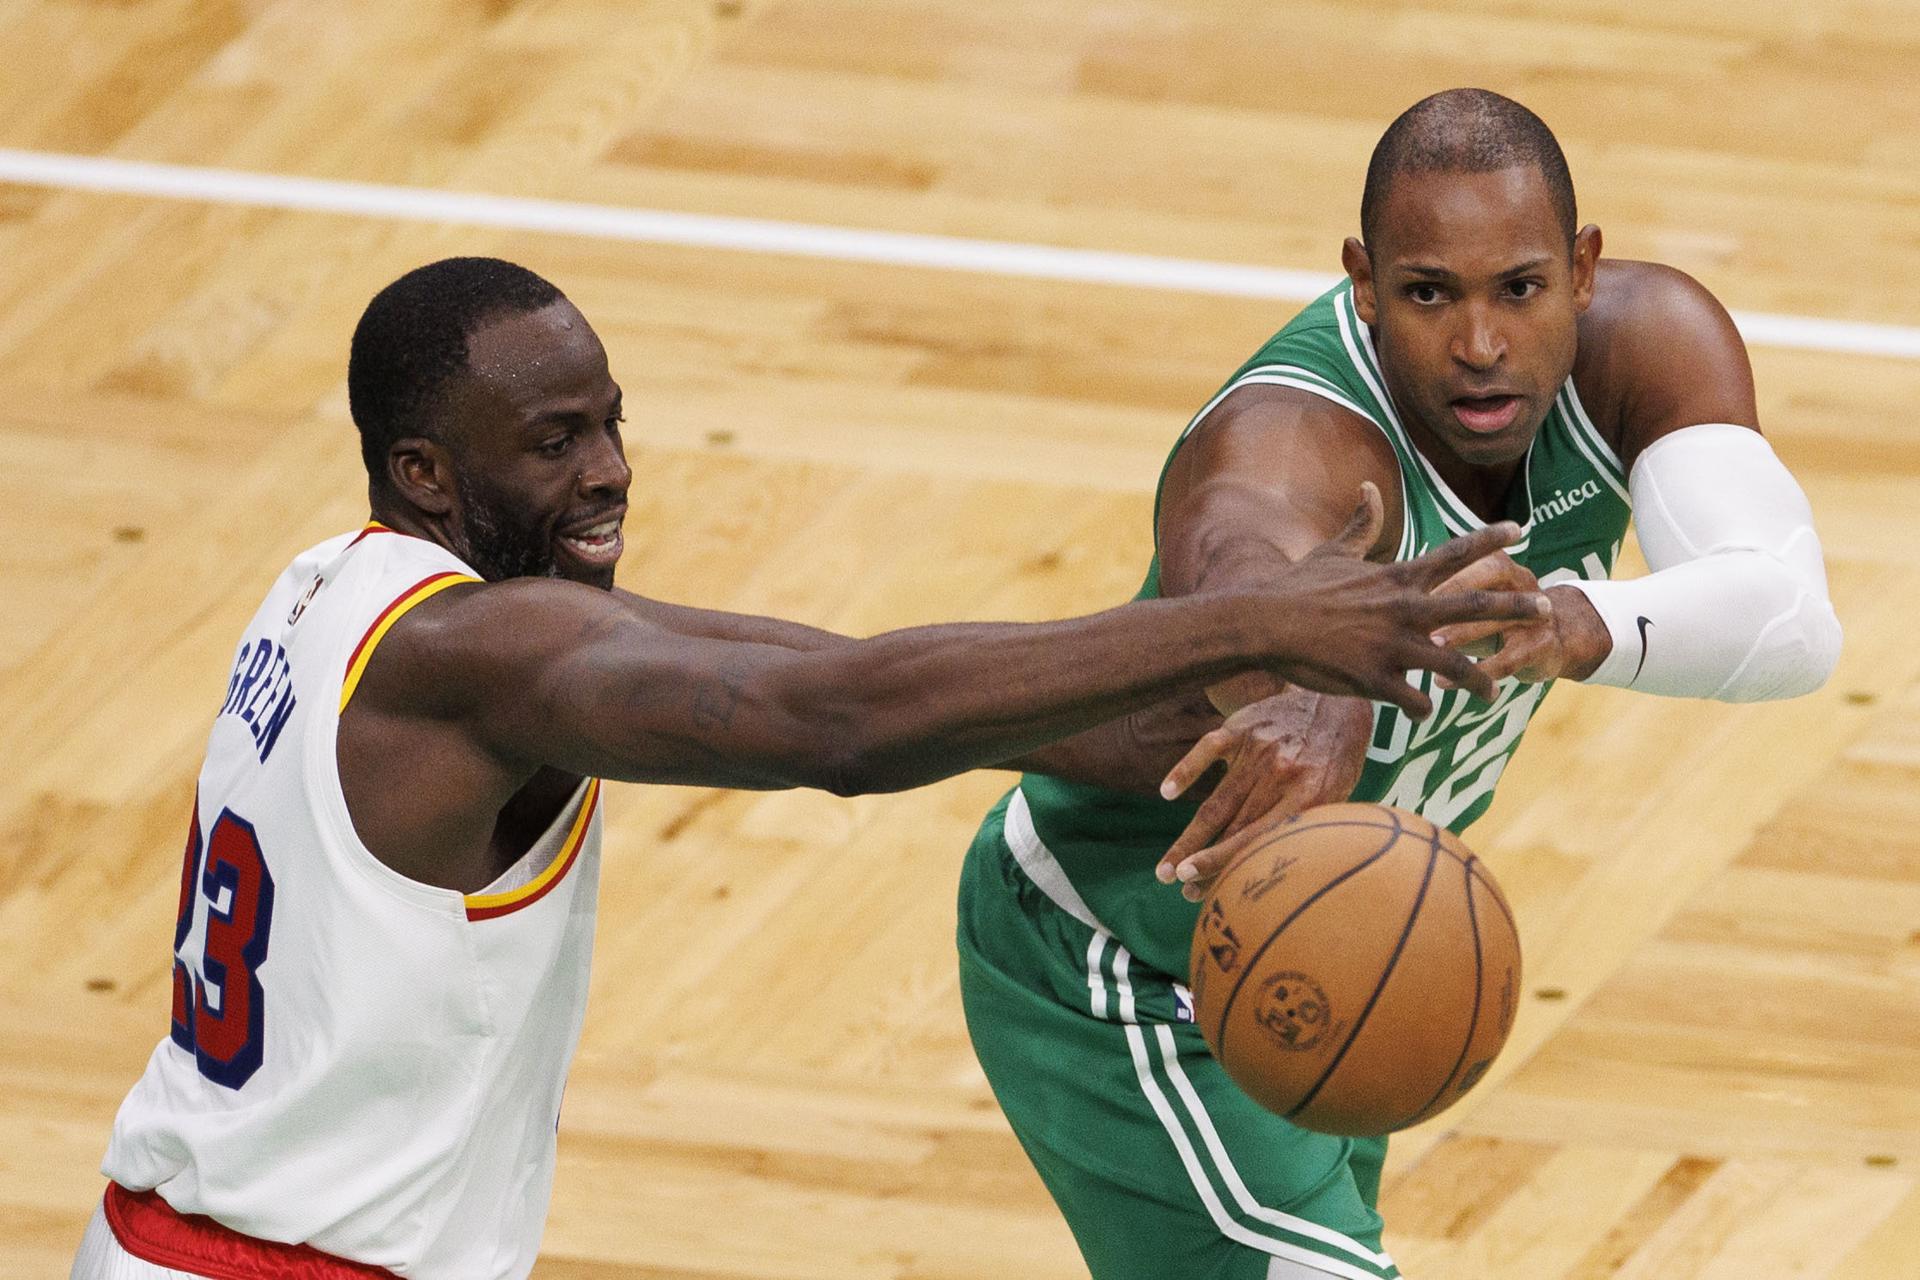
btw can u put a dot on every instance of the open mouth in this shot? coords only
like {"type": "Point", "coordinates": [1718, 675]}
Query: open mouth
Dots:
{"type": "Point", "coordinates": [597, 544]}
{"type": "Point", "coordinates": [1484, 415]}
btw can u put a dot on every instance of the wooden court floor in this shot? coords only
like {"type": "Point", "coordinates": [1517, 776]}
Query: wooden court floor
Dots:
{"type": "Point", "coordinates": [1716, 1074]}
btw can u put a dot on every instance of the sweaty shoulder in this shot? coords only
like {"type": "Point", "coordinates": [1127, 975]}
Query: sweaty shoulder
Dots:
{"type": "Point", "coordinates": [1291, 456]}
{"type": "Point", "coordinates": [1658, 352]}
{"type": "Point", "coordinates": [1292, 421]}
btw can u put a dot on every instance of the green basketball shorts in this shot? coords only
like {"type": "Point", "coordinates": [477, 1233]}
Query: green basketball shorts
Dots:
{"type": "Point", "coordinates": [1164, 1169]}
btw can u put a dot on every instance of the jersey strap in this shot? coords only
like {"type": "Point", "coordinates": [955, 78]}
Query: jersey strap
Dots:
{"type": "Point", "coordinates": [154, 1231]}
{"type": "Point", "coordinates": [485, 906]}
{"type": "Point", "coordinates": [373, 527]}
{"type": "Point", "coordinates": [413, 595]}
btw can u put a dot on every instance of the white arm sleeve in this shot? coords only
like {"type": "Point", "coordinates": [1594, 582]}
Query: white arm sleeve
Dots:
{"type": "Point", "coordinates": [1735, 604]}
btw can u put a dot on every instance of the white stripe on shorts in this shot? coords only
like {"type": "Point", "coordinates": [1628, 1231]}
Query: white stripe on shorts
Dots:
{"type": "Point", "coordinates": [101, 1257]}
{"type": "Point", "coordinates": [1097, 947]}
{"type": "Point", "coordinates": [1287, 1269]}
{"type": "Point", "coordinates": [1223, 1219]}
{"type": "Point", "coordinates": [1039, 863]}
{"type": "Point", "coordinates": [1308, 1265]}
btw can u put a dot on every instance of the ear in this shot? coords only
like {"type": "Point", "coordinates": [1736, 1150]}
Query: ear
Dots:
{"type": "Point", "coordinates": [1586, 258]}
{"type": "Point", "coordinates": [421, 472]}
{"type": "Point", "coordinates": [1359, 264]}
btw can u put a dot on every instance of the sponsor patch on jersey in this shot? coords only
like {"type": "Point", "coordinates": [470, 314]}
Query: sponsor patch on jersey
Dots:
{"type": "Point", "coordinates": [1564, 500]}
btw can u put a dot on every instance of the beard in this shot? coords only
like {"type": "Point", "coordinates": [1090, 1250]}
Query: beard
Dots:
{"type": "Point", "coordinates": [497, 541]}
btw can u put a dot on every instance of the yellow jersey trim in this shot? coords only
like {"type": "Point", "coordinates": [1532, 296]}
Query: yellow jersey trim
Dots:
{"type": "Point", "coordinates": [422, 590]}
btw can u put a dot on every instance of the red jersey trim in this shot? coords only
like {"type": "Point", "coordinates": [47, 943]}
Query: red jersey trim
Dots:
{"type": "Point", "coordinates": [413, 595]}
{"type": "Point", "coordinates": [154, 1231]}
{"type": "Point", "coordinates": [373, 526]}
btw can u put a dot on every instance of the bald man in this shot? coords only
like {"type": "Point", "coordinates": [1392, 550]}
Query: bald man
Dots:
{"type": "Point", "coordinates": [1480, 363]}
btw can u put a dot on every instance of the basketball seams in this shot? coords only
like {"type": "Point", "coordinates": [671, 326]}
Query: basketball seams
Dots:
{"type": "Point", "coordinates": [1386, 975]}
{"type": "Point", "coordinates": [1479, 990]}
{"type": "Point", "coordinates": [1295, 827]}
{"type": "Point", "coordinates": [1394, 833]}
{"type": "Point", "coordinates": [1493, 954]}
{"type": "Point", "coordinates": [1499, 899]}
{"type": "Point", "coordinates": [1439, 841]}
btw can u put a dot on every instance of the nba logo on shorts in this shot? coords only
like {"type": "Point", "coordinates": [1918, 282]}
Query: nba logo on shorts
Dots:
{"type": "Point", "coordinates": [1182, 1004]}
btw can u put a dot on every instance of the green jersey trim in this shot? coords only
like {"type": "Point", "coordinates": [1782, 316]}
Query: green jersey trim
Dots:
{"type": "Point", "coordinates": [1455, 514]}
{"type": "Point", "coordinates": [1594, 445]}
{"type": "Point", "coordinates": [1289, 375]}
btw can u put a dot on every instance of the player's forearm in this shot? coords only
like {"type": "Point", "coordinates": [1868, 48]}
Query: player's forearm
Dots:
{"type": "Point", "coordinates": [1132, 753]}
{"type": "Point", "coordinates": [1210, 558]}
{"type": "Point", "coordinates": [1212, 549]}
{"type": "Point", "coordinates": [1736, 606]}
{"type": "Point", "coordinates": [1233, 544]}
{"type": "Point", "coordinates": [909, 707]}
{"type": "Point", "coordinates": [1736, 626]}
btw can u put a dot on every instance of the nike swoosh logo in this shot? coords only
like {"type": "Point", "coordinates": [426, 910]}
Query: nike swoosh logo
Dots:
{"type": "Point", "coordinates": [1643, 622]}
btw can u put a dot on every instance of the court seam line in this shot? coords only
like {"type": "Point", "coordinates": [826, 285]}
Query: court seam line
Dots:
{"type": "Point", "coordinates": [114, 176]}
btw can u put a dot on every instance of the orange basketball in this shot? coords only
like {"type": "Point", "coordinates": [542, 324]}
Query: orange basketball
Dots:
{"type": "Point", "coordinates": [1357, 970]}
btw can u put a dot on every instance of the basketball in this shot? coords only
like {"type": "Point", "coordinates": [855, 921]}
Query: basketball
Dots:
{"type": "Point", "coordinates": [1357, 971]}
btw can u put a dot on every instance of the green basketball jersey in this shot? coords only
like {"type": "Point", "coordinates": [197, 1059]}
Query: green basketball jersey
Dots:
{"type": "Point", "coordinates": [1093, 850]}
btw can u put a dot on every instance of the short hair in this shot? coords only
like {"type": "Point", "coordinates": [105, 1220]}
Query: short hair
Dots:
{"type": "Point", "coordinates": [412, 340]}
{"type": "Point", "coordinates": [1465, 131]}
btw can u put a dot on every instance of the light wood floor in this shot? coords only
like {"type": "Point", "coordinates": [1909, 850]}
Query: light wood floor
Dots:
{"type": "Point", "coordinates": [1717, 1073]}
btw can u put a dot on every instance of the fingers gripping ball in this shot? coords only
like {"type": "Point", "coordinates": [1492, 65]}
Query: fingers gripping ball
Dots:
{"type": "Point", "coordinates": [1357, 971]}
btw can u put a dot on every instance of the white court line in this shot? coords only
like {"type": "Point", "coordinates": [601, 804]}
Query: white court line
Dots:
{"type": "Point", "coordinates": [760, 235]}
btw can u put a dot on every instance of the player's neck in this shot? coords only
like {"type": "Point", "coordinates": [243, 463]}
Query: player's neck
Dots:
{"type": "Point", "coordinates": [413, 523]}
{"type": "Point", "coordinates": [1485, 489]}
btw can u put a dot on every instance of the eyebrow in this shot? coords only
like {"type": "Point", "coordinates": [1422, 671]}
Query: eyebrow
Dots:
{"type": "Point", "coordinates": [572, 415]}
{"type": "Point", "coordinates": [1531, 264]}
{"type": "Point", "coordinates": [1431, 272]}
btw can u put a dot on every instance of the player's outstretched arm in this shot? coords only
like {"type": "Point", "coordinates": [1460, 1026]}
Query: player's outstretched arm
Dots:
{"type": "Point", "coordinates": [1264, 478]}
{"type": "Point", "coordinates": [549, 673]}
{"type": "Point", "coordinates": [1735, 605]}
{"type": "Point", "coordinates": [1131, 753]}
{"type": "Point", "coordinates": [1256, 484]}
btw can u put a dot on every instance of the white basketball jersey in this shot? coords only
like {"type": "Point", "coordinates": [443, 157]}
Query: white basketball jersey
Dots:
{"type": "Point", "coordinates": [358, 1061]}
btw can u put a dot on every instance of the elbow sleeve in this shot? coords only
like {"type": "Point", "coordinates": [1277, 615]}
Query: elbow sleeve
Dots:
{"type": "Point", "coordinates": [1735, 604]}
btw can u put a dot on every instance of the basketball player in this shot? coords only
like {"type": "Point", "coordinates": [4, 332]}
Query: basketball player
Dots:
{"type": "Point", "coordinates": [387, 897]}
{"type": "Point", "coordinates": [1480, 363]}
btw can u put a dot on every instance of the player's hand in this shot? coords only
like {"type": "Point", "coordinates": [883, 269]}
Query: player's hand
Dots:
{"type": "Point", "coordinates": [1283, 755]}
{"type": "Point", "coordinates": [1198, 870]}
{"type": "Point", "coordinates": [1356, 628]}
{"type": "Point", "coordinates": [1570, 641]}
